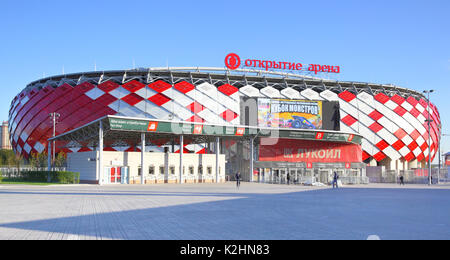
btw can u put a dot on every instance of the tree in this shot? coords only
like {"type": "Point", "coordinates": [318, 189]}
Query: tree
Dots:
{"type": "Point", "coordinates": [5, 156]}
{"type": "Point", "coordinates": [16, 161]}
{"type": "Point", "coordinates": [60, 160]}
{"type": "Point", "coordinates": [38, 160]}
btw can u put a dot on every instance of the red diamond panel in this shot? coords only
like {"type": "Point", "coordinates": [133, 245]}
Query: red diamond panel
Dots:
{"type": "Point", "coordinates": [84, 87]}
{"type": "Point", "coordinates": [196, 119]}
{"type": "Point", "coordinates": [400, 133]}
{"type": "Point", "coordinates": [85, 149]}
{"type": "Point", "coordinates": [365, 155]}
{"type": "Point", "coordinates": [347, 96]}
{"type": "Point", "coordinates": [106, 99]}
{"type": "Point", "coordinates": [379, 156]}
{"type": "Point", "coordinates": [382, 98]}
{"type": "Point", "coordinates": [133, 86]}
{"type": "Point", "coordinates": [195, 107]}
{"type": "Point", "coordinates": [420, 157]}
{"type": "Point", "coordinates": [108, 86]}
{"type": "Point", "coordinates": [229, 115]}
{"type": "Point", "coordinates": [228, 89]}
{"type": "Point", "coordinates": [202, 151]}
{"type": "Point", "coordinates": [415, 135]}
{"type": "Point", "coordinates": [413, 145]}
{"type": "Point", "coordinates": [400, 111]}
{"type": "Point", "coordinates": [184, 87]}
{"type": "Point", "coordinates": [414, 112]}
{"type": "Point", "coordinates": [349, 120]}
{"type": "Point", "coordinates": [398, 99]}
{"type": "Point", "coordinates": [159, 99]}
{"type": "Point", "coordinates": [412, 101]}
{"type": "Point", "coordinates": [132, 99]}
{"type": "Point", "coordinates": [160, 86]}
{"type": "Point", "coordinates": [424, 146]}
{"type": "Point", "coordinates": [409, 157]}
{"type": "Point", "coordinates": [425, 135]}
{"type": "Point", "coordinates": [398, 145]}
{"type": "Point", "coordinates": [375, 127]}
{"type": "Point", "coordinates": [423, 103]}
{"type": "Point", "coordinates": [425, 114]}
{"type": "Point", "coordinates": [382, 145]}
{"type": "Point", "coordinates": [375, 115]}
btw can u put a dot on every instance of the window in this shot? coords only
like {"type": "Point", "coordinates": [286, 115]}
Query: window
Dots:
{"type": "Point", "coordinates": [200, 169]}
{"type": "Point", "coordinates": [151, 170]}
{"type": "Point", "coordinates": [191, 170]}
{"type": "Point", "coordinates": [139, 170]}
{"type": "Point", "coordinates": [161, 169]}
{"type": "Point", "coordinates": [172, 169]}
{"type": "Point", "coordinates": [209, 170]}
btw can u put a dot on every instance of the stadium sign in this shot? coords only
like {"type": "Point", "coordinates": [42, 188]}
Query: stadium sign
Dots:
{"type": "Point", "coordinates": [309, 151]}
{"type": "Point", "coordinates": [124, 124]}
{"type": "Point", "coordinates": [233, 61]}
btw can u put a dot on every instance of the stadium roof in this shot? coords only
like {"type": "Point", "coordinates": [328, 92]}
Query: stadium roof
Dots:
{"type": "Point", "coordinates": [213, 75]}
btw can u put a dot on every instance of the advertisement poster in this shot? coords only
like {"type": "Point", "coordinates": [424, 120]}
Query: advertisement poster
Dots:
{"type": "Point", "coordinates": [289, 150]}
{"type": "Point", "coordinates": [286, 113]}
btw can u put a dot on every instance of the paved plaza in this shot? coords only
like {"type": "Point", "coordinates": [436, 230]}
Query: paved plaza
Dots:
{"type": "Point", "coordinates": [220, 211]}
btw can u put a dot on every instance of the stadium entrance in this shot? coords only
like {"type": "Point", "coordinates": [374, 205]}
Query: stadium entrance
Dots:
{"type": "Point", "coordinates": [260, 154]}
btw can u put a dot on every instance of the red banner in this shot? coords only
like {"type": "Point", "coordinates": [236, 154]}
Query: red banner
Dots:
{"type": "Point", "coordinates": [288, 150]}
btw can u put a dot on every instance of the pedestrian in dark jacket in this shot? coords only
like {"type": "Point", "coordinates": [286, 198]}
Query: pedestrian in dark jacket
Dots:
{"type": "Point", "coordinates": [401, 181]}
{"type": "Point", "coordinates": [288, 178]}
{"type": "Point", "coordinates": [335, 180]}
{"type": "Point", "coordinates": [238, 179]}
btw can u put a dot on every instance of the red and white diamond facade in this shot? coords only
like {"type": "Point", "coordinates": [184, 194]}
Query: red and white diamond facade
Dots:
{"type": "Point", "coordinates": [391, 120]}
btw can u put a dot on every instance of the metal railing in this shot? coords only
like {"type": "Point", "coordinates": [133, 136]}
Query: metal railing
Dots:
{"type": "Point", "coordinates": [416, 176]}
{"type": "Point", "coordinates": [14, 173]}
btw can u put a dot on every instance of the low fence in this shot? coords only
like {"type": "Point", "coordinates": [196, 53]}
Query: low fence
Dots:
{"type": "Point", "coordinates": [14, 173]}
{"type": "Point", "coordinates": [416, 176]}
{"type": "Point", "coordinates": [354, 180]}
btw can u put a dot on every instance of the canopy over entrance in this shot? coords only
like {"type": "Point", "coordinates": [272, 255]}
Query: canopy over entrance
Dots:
{"type": "Point", "coordinates": [129, 129]}
{"type": "Point", "coordinates": [134, 132]}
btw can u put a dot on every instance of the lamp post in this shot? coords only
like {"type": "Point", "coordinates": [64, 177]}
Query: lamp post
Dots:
{"type": "Point", "coordinates": [54, 116]}
{"type": "Point", "coordinates": [429, 135]}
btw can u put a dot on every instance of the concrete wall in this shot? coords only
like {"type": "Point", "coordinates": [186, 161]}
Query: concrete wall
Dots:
{"type": "Point", "coordinates": [170, 163]}
{"type": "Point", "coordinates": [79, 162]}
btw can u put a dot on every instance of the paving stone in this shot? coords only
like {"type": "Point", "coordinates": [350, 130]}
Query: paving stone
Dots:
{"type": "Point", "coordinates": [220, 211]}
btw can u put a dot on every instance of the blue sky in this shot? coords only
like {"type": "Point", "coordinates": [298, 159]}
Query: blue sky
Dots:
{"type": "Point", "coordinates": [399, 42]}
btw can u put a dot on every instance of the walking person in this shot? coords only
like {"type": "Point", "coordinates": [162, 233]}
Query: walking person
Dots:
{"type": "Point", "coordinates": [335, 180]}
{"type": "Point", "coordinates": [288, 178]}
{"type": "Point", "coordinates": [238, 179]}
{"type": "Point", "coordinates": [401, 181]}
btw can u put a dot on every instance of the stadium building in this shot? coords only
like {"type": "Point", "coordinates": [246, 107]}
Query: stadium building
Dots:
{"type": "Point", "coordinates": [268, 125]}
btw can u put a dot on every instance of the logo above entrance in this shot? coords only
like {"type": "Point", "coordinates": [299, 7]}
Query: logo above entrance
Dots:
{"type": "Point", "coordinates": [232, 61]}
{"type": "Point", "coordinates": [152, 126]}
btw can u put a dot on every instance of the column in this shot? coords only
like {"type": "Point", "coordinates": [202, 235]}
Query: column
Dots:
{"type": "Point", "coordinates": [252, 155]}
{"type": "Point", "coordinates": [217, 158]}
{"type": "Point", "coordinates": [181, 157]}
{"type": "Point", "coordinates": [142, 158]}
{"type": "Point", "coordinates": [100, 154]}
{"type": "Point", "coordinates": [49, 160]}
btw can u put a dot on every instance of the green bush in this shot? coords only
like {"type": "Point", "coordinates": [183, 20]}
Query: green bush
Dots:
{"type": "Point", "coordinates": [64, 177]}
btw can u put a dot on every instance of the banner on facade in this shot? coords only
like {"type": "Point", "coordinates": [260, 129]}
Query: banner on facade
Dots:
{"type": "Point", "coordinates": [290, 150]}
{"type": "Point", "coordinates": [286, 113]}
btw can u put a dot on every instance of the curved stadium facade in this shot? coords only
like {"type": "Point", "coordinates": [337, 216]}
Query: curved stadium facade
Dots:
{"type": "Point", "coordinates": [391, 119]}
